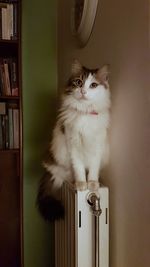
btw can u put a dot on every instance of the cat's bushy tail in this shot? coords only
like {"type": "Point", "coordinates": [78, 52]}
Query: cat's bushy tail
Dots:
{"type": "Point", "coordinates": [48, 202]}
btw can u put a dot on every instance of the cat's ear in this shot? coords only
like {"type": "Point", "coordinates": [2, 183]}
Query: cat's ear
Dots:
{"type": "Point", "coordinates": [76, 67]}
{"type": "Point", "coordinates": [103, 74]}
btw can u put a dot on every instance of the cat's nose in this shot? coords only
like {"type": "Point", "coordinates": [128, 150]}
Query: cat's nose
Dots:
{"type": "Point", "coordinates": [83, 91]}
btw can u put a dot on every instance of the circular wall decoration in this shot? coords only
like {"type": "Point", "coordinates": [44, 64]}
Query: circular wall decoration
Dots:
{"type": "Point", "coordinates": [83, 17]}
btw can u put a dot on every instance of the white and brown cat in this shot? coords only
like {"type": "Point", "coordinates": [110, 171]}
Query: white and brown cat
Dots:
{"type": "Point", "coordinates": [79, 148]}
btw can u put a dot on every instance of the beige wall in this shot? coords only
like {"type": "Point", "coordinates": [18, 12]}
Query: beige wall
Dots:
{"type": "Point", "coordinates": [120, 37]}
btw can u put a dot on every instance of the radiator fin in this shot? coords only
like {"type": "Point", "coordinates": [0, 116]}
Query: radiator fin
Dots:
{"type": "Point", "coordinates": [74, 235]}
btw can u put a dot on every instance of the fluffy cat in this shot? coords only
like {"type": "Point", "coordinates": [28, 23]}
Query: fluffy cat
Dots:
{"type": "Point", "coordinates": [79, 147]}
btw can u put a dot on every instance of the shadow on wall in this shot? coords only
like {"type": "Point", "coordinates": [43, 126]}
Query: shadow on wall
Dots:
{"type": "Point", "coordinates": [38, 239]}
{"type": "Point", "coordinates": [41, 130]}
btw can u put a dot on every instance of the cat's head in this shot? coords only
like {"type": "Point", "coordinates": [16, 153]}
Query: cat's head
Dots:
{"type": "Point", "coordinates": [88, 86]}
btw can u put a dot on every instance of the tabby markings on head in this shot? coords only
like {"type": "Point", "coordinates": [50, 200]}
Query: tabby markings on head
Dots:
{"type": "Point", "coordinates": [78, 80]}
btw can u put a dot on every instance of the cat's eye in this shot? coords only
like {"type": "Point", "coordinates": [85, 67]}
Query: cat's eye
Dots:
{"type": "Point", "coordinates": [93, 85]}
{"type": "Point", "coordinates": [78, 83]}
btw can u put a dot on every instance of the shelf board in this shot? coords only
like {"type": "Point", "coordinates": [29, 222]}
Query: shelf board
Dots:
{"type": "Point", "coordinates": [9, 48]}
{"type": "Point", "coordinates": [10, 151]}
{"type": "Point", "coordinates": [9, 42]}
{"type": "Point", "coordinates": [9, 97]}
{"type": "Point", "coordinates": [9, 1]}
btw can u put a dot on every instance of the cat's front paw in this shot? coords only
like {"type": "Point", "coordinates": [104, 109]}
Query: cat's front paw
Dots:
{"type": "Point", "coordinates": [80, 186]}
{"type": "Point", "coordinates": [93, 185]}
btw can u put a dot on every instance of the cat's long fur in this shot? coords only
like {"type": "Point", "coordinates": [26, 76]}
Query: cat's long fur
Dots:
{"type": "Point", "coordinates": [79, 147]}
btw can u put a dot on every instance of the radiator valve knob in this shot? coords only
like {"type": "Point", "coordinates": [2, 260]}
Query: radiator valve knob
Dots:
{"type": "Point", "coordinates": [94, 202]}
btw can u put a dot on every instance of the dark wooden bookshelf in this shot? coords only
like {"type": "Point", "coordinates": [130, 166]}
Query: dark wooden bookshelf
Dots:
{"type": "Point", "coordinates": [9, 151]}
{"type": "Point", "coordinates": [8, 48]}
{"type": "Point", "coordinates": [9, 98]}
{"type": "Point", "coordinates": [11, 178]}
{"type": "Point", "coordinates": [8, 42]}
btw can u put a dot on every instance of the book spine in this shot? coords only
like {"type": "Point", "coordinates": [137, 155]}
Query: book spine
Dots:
{"type": "Point", "coordinates": [4, 15]}
{"type": "Point", "coordinates": [14, 82]}
{"type": "Point", "coordinates": [2, 108]}
{"type": "Point", "coordinates": [0, 23]}
{"type": "Point", "coordinates": [6, 73]}
{"type": "Point", "coordinates": [11, 131]}
{"type": "Point", "coordinates": [6, 132]}
{"type": "Point", "coordinates": [3, 126]}
{"type": "Point", "coordinates": [7, 24]}
{"type": "Point", "coordinates": [3, 79]}
{"type": "Point", "coordinates": [1, 85]}
{"type": "Point", "coordinates": [16, 127]}
{"type": "Point", "coordinates": [11, 23]}
{"type": "Point", "coordinates": [15, 31]}
{"type": "Point", "coordinates": [1, 133]}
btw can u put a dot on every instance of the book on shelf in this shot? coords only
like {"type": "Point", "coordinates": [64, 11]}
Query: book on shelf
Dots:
{"type": "Point", "coordinates": [2, 114]}
{"type": "Point", "coordinates": [2, 125]}
{"type": "Point", "coordinates": [2, 108]}
{"type": "Point", "coordinates": [13, 76]}
{"type": "Point", "coordinates": [11, 130]}
{"type": "Point", "coordinates": [1, 134]}
{"type": "Point", "coordinates": [9, 126]}
{"type": "Point", "coordinates": [8, 20]}
{"type": "Point", "coordinates": [16, 128]}
{"type": "Point", "coordinates": [2, 78]}
{"type": "Point", "coordinates": [8, 77]}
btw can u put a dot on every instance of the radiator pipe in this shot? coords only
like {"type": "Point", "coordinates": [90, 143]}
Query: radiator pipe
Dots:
{"type": "Point", "coordinates": [94, 202]}
{"type": "Point", "coordinates": [97, 256]}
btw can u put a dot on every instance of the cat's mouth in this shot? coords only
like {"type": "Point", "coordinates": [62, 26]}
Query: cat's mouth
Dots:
{"type": "Point", "coordinates": [83, 97]}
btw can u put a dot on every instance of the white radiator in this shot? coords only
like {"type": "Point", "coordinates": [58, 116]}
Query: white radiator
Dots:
{"type": "Point", "coordinates": [82, 239]}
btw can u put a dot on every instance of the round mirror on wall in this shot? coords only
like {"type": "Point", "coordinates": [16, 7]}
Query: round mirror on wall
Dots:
{"type": "Point", "coordinates": [83, 17]}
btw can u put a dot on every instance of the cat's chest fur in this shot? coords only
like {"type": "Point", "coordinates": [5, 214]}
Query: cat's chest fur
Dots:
{"type": "Point", "coordinates": [88, 127]}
